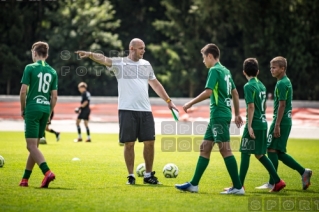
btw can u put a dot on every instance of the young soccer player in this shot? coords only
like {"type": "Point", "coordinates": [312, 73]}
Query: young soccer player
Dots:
{"type": "Point", "coordinates": [254, 139]}
{"type": "Point", "coordinates": [281, 125]}
{"type": "Point", "coordinates": [84, 112]}
{"type": "Point", "coordinates": [57, 134]}
{"type": "Point", "coordinates": [219, 88]}
{"type": "Point", "coordinates": [36, 107]}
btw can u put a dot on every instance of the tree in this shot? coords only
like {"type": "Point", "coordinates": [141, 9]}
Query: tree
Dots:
{"type": "Point", "coordinates": [82, 25]}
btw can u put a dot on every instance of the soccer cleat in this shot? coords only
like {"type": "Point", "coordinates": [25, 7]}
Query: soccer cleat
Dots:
{"type": "Point", "coordinates": [24, 183]}
{"type": "Point", "coordinates": [187, 187]}
{"type": "Point", "coordinates": [78, 140]}
{"type": "Point", "coordinates": [305, 179]}
{"type": "Point", "coordinates": [226, 189]}
{"type": "Point", "coordinates": [265, 186]}
{"type": "Point", "coordinates": [152, 179]}
{"type": "Point", "coordinates": [88, 140]}
{"type": "Point", "coordinates": [48, 177]}
{"type": "Point", "coordinates": [130, 180]}
{"type": "Point", "coordinates": [234, 191]}
{"type": "Point", "coordinates": [57, 135]}
{"type": "Point", "coordinates": [278, 186]}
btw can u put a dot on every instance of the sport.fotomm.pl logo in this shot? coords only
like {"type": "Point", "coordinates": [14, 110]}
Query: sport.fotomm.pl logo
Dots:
{"type": "Point", "coordinates": [41, 100]}
{"type": "Point", "coordinates": [283, 204]}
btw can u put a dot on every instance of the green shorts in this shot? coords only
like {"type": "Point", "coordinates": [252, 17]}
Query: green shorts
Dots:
{"type": "Point", "coordinates": [218, 130]}
{"type": "Point", "coordinates": [257, 146]}
{"type": "Point", "coordinates": [280, 143]}
{"type": "Point", "coordinates": [35, 123]}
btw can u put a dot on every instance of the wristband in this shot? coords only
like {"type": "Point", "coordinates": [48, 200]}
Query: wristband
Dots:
{"type": "Point", "coordinates": [168, 100]}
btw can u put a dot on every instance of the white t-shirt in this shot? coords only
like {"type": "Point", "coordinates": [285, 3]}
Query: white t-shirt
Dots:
{"type": "Point", "coordinates": [132, 78]}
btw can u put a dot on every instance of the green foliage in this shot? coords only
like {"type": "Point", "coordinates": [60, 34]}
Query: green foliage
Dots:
{"type": "Point", "coordinates": [82, 25]}
{"type": "Point", "coordinates": [173, 31]}
{"type": "Point", "coordinates": [97, 181]}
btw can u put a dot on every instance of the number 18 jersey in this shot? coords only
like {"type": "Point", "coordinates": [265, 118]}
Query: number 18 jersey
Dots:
{"type": "Point", "coordinates": [41, 79]}
{"type": "Point", "coordinates": [255, 92]}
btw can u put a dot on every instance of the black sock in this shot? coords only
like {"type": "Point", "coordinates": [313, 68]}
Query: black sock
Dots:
{"type": "Point", "coordinates": [52, 131]}
{"type": "Point", "coordinates": [79, 130]}
{"type": "Point", "coordinates": [88, 131]}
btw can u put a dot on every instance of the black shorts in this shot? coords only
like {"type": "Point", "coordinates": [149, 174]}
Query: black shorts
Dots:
{"type": "Point", "coordinates": [136, 125]}
{"type": "Point", "coordinates": [84, 114]}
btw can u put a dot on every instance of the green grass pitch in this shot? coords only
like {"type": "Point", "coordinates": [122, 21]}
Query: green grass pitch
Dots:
{"type": "Point", "coordinates": [97, 181]}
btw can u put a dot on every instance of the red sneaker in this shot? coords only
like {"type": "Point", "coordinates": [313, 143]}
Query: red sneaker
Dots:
{"type": "Point", "coordinates": [48, 177]}
{"type": "Point", "coordinates": [24, 183]}
{"type": "Point", "coordinates": [278, 186]}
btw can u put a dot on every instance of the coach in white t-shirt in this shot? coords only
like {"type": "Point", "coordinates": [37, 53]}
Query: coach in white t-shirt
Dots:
{"type": "Point", "coordinates": [134, 74]}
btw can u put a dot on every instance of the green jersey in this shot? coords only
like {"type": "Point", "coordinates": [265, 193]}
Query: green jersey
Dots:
{"type": "Point", "coordinates": [41, 79]}
{"type": "Point", "coordinates": [255, 92]}
{"type": "Point", "coordinates": [283, 92]}
{"type": "Point", "coordinates": [221, 82]}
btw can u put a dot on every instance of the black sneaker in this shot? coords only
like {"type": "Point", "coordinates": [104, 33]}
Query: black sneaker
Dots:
{"type": "Point", "coordinates": [152, 179]}
{"type": "Point", "coordinates": [131, 180]}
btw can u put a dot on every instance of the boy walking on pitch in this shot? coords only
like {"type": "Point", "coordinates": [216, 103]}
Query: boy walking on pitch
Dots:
{"type": "Point", "coordinates": [280, 128]}
{"type": "Point", "coordinates": [36, 106]}
{"type": "Point", "coordinates": [84, 112]}
{"type": "Point", "coordinates": [219, 88]}
{"type": "Point", "coordinates": [254, 139]}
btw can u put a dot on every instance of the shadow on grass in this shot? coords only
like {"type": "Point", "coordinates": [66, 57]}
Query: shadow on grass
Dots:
{"type": "Point", "coordinates": [54, 188]}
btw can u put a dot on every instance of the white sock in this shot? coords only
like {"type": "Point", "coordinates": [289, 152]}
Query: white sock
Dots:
{"type": "Point", "coordinates": [131, 175]}
{"type": "Point", "coordinates": [79, 136]}
{"type": "Point", "coordinates": [89, 137]}
{"type": "Point", "coordinates": [147, 174]}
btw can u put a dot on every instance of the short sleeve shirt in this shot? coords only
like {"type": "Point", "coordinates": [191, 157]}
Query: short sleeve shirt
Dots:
{"type": "Point", "coordinates": [86, 97]}
{"type": "Point", "coordinates": [255, 92]}
{"type": "Point", "coordinates": [41, 79]}
{"type": "Point", "coordinates": [133, 77]}
{"type": "Point", "coordinates": [221, 83]}
{"type": "Point", "coordinates": [283, 92]}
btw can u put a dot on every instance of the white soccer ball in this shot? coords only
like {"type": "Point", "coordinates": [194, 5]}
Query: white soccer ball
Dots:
{"type": "Point", "coordinates": [140, 170]}
{"type": "Point", "coordinates": [43, 141]}
{"type": "Point", "coordinates": [170, 170]}
{"type": "Point", "coordinates": [1, 161]}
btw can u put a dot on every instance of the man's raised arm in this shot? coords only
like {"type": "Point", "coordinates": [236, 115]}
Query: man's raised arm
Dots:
{"type": "Point", "coordinates": [97, 57]}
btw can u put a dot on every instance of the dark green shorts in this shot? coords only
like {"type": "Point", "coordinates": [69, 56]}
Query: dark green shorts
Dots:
{"type": "Point", "coordinates": [257, 146]}
{"type": "Point", "coordinates": [218, 130]}
{"type": "Point", "coordinates": [280, 143]}
{"type": "Point", "coordinates": [34, 124]}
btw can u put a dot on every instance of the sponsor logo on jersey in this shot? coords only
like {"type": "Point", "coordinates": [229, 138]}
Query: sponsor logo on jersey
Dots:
{"type": "Point", "coordinates": [41, 100]}
{"type": "Point", "coordinates": [227, 102]}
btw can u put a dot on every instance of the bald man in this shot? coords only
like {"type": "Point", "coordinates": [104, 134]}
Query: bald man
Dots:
{"type": "Point", "coordinates": [134, 74]}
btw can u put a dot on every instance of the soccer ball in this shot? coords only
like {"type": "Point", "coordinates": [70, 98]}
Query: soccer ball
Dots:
{"type": "Point", "coordinates": [1, 161]}
{"type": "Point", "coordinates": [140, 170]}
{"type": "Point", "coordinates": [42, 141]}
{"type": "Point", "coordinates": [170, 170]}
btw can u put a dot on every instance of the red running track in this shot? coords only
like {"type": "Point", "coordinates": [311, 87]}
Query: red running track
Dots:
{"type": "Point", "coordinates": [108, 113]}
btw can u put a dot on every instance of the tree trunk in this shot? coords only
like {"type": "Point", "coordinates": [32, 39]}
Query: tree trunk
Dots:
{"type": "Point", "coordinates": [8, 86]}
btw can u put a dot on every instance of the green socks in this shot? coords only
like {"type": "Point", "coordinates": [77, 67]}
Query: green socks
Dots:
{"type": "Point", "coordinates": [273, 157]}
{"type": "Point", "coordinates": [27, 174]}
{"type": "Point", "coordinates": [244, 165]}
{"type": "Point", "coordinates": [290, 162]}
{"type": "Point", "coordinates": [44, 167]}
{"type": "Point", "coordinates": [231, 166]}
{"type": "Point", "coordinates": [270, 168]}
{"type": "Point", "coordinates": [202, 163]}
